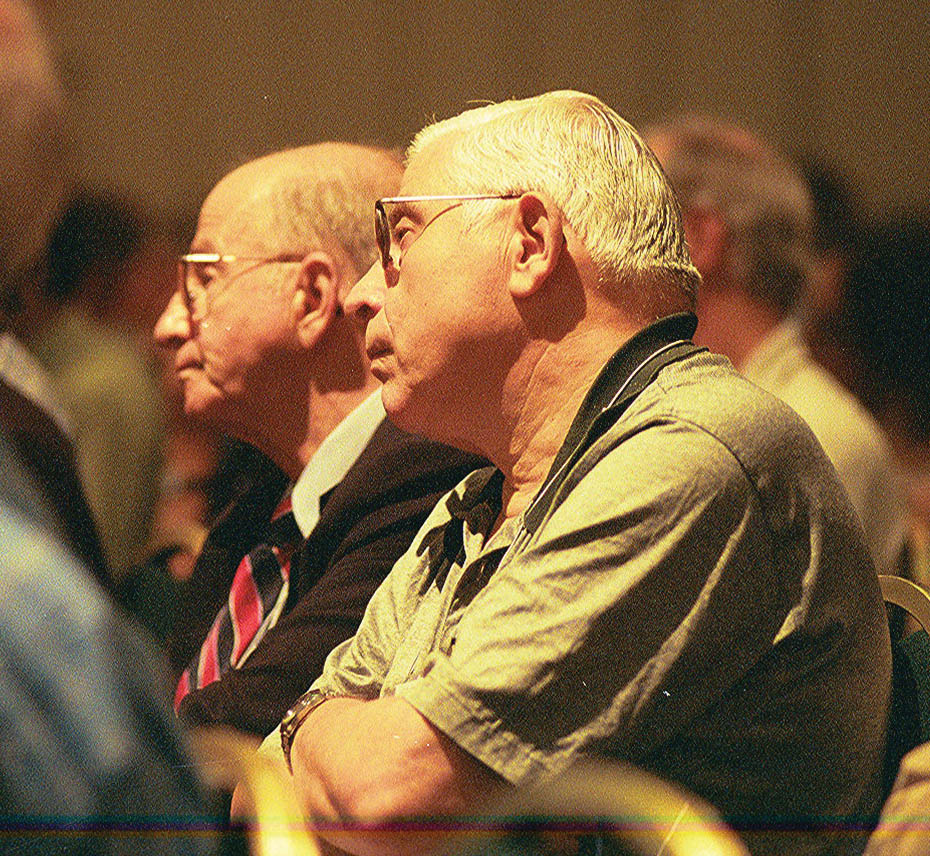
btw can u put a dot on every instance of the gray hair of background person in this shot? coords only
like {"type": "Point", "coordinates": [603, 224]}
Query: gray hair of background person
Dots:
{"type": "Point", "coordinates": [595, 166]}
{"type": "Point", "coordinates": [761, 195]}
{"type": "Point", "coordinates": [323, 200]}
{"type": "Point", "coordinates": [32, 143]}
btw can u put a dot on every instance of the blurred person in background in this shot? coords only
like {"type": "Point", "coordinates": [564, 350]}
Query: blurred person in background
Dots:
{"type": "Point", "coordinates": [33, 183]}
{"type": "Point", "coordinates": [108, 385]}
{"type": "Point", "coordinates": [264, 352]}
{"type": "Point", "coordinates": [91, 760]}
{"type": "Point", "coordinates": [109, 263]}
{"type": "Point", "coordinates": [748, 219]}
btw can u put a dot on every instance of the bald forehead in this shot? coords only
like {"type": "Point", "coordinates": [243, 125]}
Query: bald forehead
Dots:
{"type": "Point", "coordinates": [351, 158]}
{"type": "Point", "coordinates": [238, 208]}
{"type": "Point", "coordinates": [317, 196]}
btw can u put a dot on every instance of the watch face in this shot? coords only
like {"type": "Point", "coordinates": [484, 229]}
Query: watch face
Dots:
{"type": "Point", "coordinates": [298, 706]}
{"type": "Point", "coordinates": [289, 716]}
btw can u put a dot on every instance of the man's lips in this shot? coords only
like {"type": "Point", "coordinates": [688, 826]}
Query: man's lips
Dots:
{"type": "Point", "coordinates": [377, 348]}
{"type": "Point", "coordinates": [186, 365]}
{"type": "Point", "coordinates": [187, 358]}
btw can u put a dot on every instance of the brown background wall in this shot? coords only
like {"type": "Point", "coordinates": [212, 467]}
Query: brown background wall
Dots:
{"type": "Point", "coordinates": [168, 95]}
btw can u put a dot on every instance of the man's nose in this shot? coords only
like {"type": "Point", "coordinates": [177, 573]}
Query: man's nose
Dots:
{"type": "Point", "coordinates": [366, 298]}
{"type": "Point", "coordinates": [174, 324]}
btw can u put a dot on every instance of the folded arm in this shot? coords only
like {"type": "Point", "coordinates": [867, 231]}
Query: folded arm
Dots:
{"type": "Point", "coordinates": [375, 764]}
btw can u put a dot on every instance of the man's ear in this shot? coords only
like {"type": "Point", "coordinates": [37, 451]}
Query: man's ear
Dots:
{"type": "Point", "coordinates": [315, 303]}
{"type": "Point", "coordinates": [536, 244]}
{"type": "Point", "coordinates": [707, 237]}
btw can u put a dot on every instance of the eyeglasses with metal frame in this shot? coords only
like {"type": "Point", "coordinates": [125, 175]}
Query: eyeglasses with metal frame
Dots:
{"type": "Point", "coordinates": [383, 233]}
{"type": "Point", "coordinates": [193, 293]}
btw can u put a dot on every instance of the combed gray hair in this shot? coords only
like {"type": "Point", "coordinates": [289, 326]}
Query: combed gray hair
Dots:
{"type": "Point", "coordinates": [32, 143]}
{"type": "Point", "coordinates": [761, 196]}
{"type": "Point", "coordinates": [595, 166]}
{"type": "Point", "coordinates": [330, 196]}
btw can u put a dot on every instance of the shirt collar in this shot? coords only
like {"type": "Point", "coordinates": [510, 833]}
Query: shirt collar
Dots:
{"type": "Point", "coordinates": [472, 507]}
{"type": "Point", "coordinates": [333, 459]}
{"type": "Point", "coordinates": [22, 371]}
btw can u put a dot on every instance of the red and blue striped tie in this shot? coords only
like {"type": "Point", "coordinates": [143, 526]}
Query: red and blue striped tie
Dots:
{"type": "Point", "coordinates": [256, 599]}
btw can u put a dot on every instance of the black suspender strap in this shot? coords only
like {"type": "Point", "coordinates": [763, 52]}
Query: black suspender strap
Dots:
{"type": "Point", "coordinates": [599, 412]}
{"type": "Point", "coordinates": [628, 372]}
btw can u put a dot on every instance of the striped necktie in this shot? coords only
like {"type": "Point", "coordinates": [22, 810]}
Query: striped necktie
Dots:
{"type": "Point", "coordinates": [256, 599]}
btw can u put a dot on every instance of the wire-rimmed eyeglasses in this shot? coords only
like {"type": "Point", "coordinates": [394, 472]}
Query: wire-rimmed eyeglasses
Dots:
{"type": "Point", "coordinates": [192, 288]}
{"type": "Point", "coordinates": [383, 226]}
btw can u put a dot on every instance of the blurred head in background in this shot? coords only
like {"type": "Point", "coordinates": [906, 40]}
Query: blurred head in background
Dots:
{"type": "Point", "coordinates": [748, 219]}
{"type": "Point", "coordinates": [33, 174]}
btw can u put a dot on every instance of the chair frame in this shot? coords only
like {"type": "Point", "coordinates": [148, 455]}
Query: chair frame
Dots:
{"type": "Point", "coordinates": [910, 596]}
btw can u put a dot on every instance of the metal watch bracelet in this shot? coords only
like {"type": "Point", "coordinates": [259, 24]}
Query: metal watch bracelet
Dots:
{"type": "Point", "coordinates": [294, 718]}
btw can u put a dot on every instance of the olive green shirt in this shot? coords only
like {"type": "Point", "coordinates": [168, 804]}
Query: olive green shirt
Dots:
{"type": "Point", "coordinates": [697, 600]}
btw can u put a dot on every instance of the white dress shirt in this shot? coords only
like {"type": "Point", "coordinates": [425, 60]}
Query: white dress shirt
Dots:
{"type": "Point", "coordinates": [333, 459]}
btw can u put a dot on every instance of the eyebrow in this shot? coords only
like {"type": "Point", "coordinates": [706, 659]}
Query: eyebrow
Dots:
{"type": "Point", "coordinates": [398, 210]}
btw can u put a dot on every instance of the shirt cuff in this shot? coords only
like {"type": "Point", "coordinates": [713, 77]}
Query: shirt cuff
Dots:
{"type": "Point", "coordinates": [271, 746]}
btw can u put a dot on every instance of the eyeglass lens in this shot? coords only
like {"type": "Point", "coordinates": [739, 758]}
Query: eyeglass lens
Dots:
{"type": "Point", "coordinates": [383, 234]}
{"type": "Point", "coordinates": [191, 293]}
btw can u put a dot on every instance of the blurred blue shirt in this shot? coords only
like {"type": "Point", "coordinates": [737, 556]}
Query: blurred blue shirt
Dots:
{"type": "Point", "coordinates": [90, 754]}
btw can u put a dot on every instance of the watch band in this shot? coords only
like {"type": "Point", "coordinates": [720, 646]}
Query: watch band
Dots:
{"type": "Point", "coordinates": [294, 718]}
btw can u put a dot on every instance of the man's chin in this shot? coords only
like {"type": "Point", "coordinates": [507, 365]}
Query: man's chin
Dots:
{"type": "Point", "coordinates": [395, 405]}
{"type": "Point", "coordinates": [196, 408]}
{"type": "Point", "coordinates": [407, 413]}
{"type": "Point", "coordinates": [201, 401]}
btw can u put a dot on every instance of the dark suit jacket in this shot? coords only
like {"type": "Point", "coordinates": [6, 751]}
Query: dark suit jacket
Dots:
{"type": "Point", "coordinates": [366, 522]}
{"type": "Point", "coordinates": [47, 456]}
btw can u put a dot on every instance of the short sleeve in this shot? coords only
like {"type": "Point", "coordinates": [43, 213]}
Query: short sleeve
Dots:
{"type": "Point", "coordinates": [611, 630]}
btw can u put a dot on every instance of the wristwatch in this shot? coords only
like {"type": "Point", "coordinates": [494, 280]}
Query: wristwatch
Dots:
{"type": "Point", "coordinates": [294, 718]}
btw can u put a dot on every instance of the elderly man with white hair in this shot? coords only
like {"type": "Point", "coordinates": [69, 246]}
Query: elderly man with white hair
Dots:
{"type": "Point", "coordinates": [660, 567]}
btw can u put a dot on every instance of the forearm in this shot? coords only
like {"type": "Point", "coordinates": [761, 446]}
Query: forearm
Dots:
{"type": "Point", "coordinates": [363, 768]}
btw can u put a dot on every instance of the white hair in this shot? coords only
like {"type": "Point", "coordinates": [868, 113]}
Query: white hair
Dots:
{"type": "Point", "coordinates": [595, 166]}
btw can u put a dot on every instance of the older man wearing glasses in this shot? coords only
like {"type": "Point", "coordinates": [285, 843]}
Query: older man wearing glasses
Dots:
{"type": "Point", "coordinates": [661, 567]}
{"type": "Point", "coordinates": [265, 353]}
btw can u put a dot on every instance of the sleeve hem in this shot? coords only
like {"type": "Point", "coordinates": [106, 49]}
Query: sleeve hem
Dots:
{"type": "Point", "coordinates": [476, 730]}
